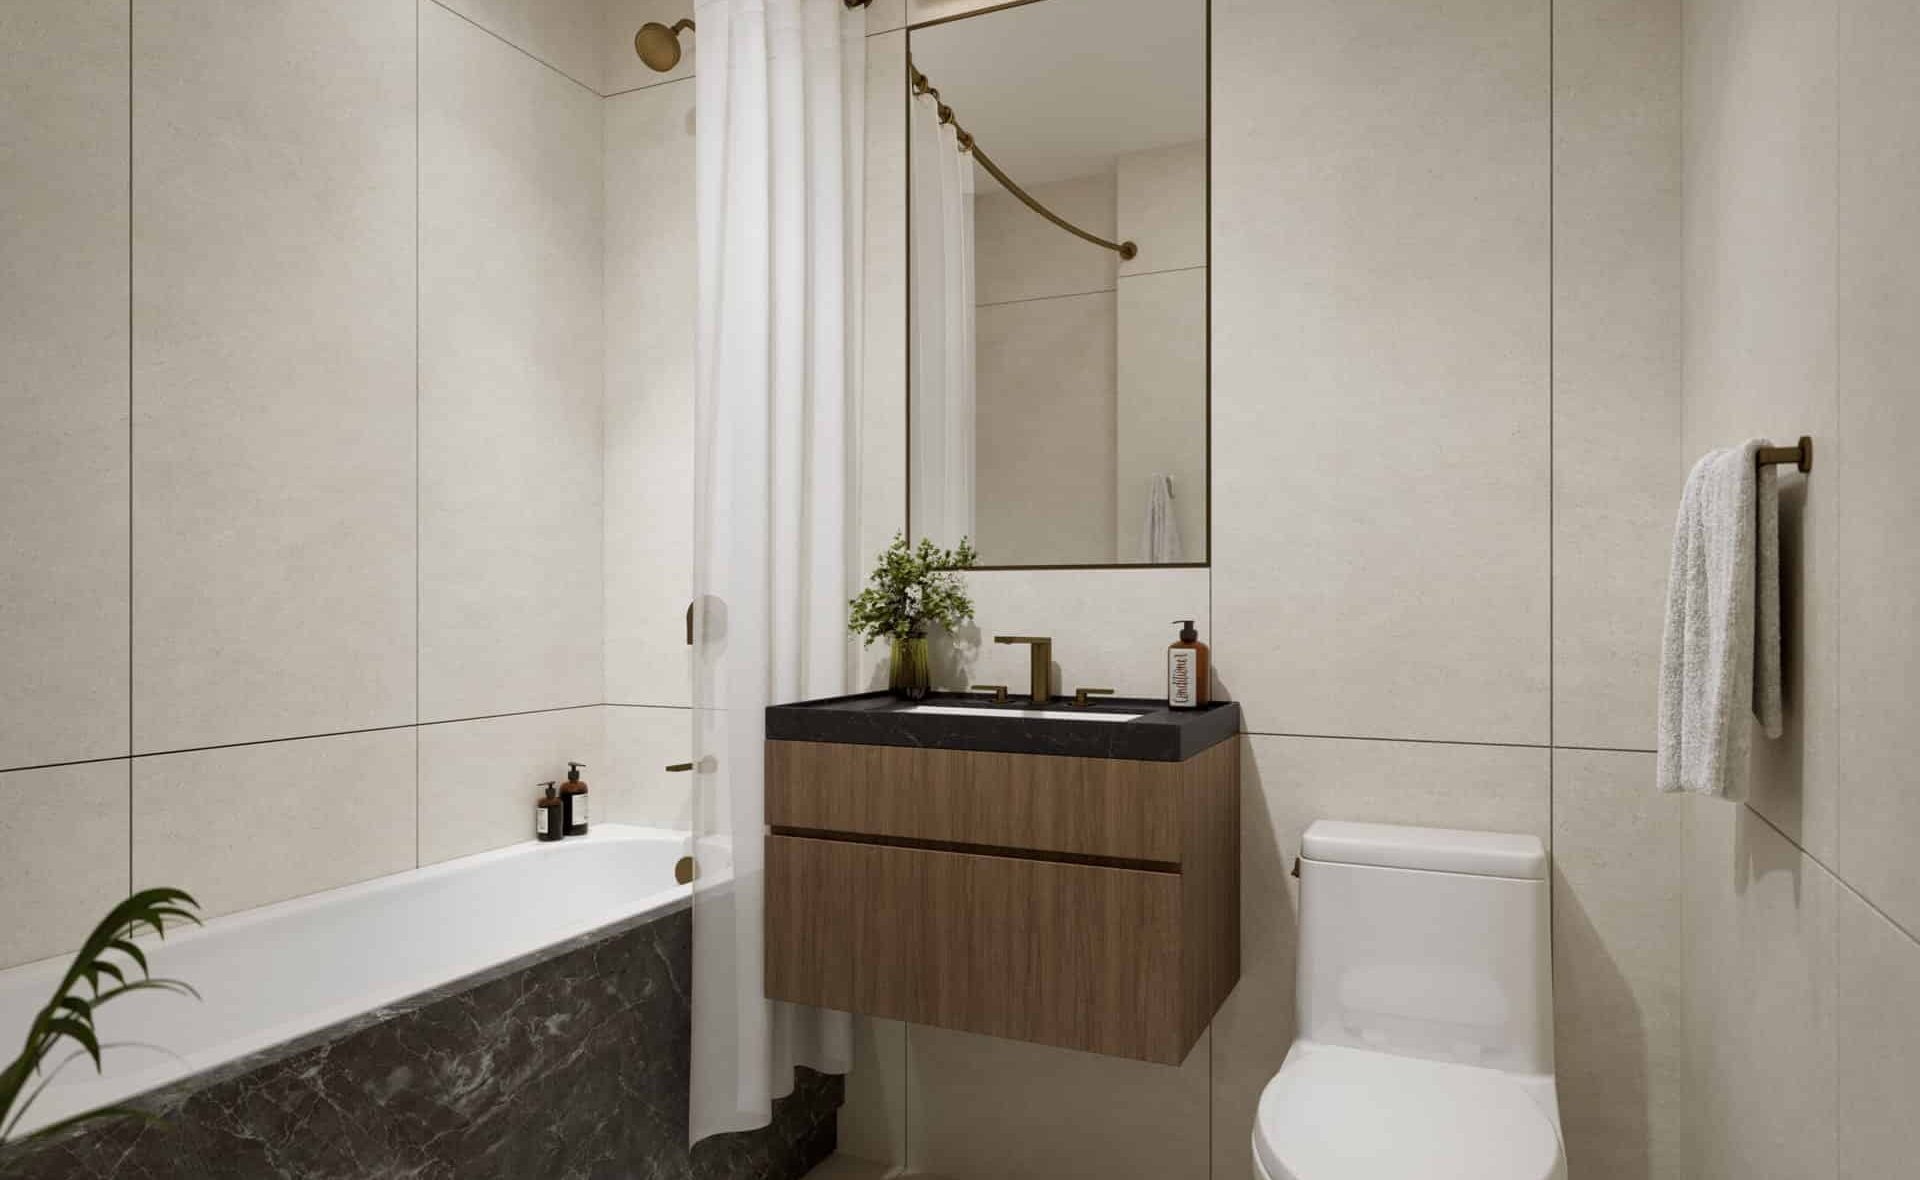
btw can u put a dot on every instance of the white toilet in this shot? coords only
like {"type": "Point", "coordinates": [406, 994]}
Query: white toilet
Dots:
{"type": "Point", "coordinates": [1425, 1002]}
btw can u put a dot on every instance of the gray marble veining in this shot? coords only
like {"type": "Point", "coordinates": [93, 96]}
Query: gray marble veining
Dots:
{"type": "Point", "coordinates": [574, 1065]}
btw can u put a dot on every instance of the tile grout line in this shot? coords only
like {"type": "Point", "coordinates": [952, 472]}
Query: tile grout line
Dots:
{"type": "Point", "coordinates": [416, 432]}
{"type": "Point", "coordinates": [1553, 572]}
{"type": "Point", "coordinates": [423, 724]}
{"type": "Point", "coordinates": [441, 5]}
{"type": "Point", "coordinates": [1834, 873]}
{"type": "Point", "coordinates": [310, 737]}
{"type": "Point", "coordinates": [130, 662]}
{"type": "Point", "coordinates": [1048, 299]}
{"type": "Point", "coordinates": [648, 86]}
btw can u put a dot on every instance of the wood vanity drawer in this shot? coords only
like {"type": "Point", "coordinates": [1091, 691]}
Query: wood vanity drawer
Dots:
{"type": "Point", "coordinates": [1083, 902]}
{"type": "Point", "coordinates": [1083, 956]}
{"type": "Point", "coordinates": [1093, 807]}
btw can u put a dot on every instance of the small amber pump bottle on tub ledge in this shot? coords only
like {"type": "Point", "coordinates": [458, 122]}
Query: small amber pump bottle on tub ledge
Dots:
{"type": "Point", "coordinates": [1187, 669]}
{"type": "Point", "coordinates": [573, 794]}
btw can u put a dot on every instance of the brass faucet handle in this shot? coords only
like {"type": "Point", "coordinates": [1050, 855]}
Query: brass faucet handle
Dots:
{"type": "Point", "coordinates": [1080, 695]}
{"type": "Point", "coordinates": [999, 692]}
{"type": "Point", "coordinates": [1023, 639]}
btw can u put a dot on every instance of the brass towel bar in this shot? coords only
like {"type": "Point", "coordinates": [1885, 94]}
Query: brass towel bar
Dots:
{"type": "Point", "coordinates": [1800, 456]}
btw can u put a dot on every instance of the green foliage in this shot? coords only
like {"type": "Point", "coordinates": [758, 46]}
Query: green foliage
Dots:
{"type": "Point", "coordinates": [108, 954]}
{"type": "Point", "coordinates": [911, 587]}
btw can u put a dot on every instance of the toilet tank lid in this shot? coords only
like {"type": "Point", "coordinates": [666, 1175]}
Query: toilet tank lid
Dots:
{"type": "Point", "coordinates": [1444, 850]}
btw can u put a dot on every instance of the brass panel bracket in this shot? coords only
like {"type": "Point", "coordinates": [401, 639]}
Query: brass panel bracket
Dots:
{"type": "Point", "coordinates": [1800, 455]}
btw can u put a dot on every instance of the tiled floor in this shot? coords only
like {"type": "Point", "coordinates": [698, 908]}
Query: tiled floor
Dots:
{"type": "Point", "coordinates": [847, 1167]}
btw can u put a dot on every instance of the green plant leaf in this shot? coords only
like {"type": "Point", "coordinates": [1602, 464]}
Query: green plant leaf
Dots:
{"type": "Point", "coordinates": [76, 1030]}
{"type": "Point", "coordinates": [69, 1017]}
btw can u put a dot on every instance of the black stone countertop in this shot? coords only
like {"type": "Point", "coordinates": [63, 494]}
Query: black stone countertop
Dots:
{"type": "Point", "coordinates": [1160, 734]}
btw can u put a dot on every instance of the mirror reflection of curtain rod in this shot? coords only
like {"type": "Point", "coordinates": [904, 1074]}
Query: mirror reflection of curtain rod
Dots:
{"type": "Point", "coordinates": [659, 46]}
{"type": "Point", "coordinates": [967, 145]}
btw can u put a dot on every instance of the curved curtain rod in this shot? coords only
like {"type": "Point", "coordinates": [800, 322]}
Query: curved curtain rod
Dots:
{"type": "Point", "coordinates": [968, 146]}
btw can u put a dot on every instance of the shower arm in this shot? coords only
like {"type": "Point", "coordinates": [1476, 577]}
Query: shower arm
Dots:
{"type": "Point", "coordinates": [970, 147]}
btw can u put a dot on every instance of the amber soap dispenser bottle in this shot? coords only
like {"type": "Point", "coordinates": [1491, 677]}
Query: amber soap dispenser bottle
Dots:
{"type": "Point", "coordinates": [1187, 669]}
{"type": "Point", "coordinates": [547, 822]}
{"type": "Point", "coordinates": [573, 793]}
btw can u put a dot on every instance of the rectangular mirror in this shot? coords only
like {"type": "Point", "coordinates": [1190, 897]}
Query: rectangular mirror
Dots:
{"type": "Point", "coordinates": [1058, 287]}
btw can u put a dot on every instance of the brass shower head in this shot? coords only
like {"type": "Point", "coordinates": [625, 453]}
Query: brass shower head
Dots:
{"type": "Point", "coordinates": [658, 45]}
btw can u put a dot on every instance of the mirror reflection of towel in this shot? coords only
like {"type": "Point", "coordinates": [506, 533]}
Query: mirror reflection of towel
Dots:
{"type": "Point", "coordinates": [1161, 538]}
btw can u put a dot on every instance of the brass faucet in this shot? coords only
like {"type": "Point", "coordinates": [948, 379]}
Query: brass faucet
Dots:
{"type": "Point", "coordinates": [1042, 663]}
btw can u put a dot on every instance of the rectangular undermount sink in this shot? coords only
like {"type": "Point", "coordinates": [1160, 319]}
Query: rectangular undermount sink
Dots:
{"type": "Point", "coordinates": [1004, 711]}
{"type": "Point", "coordinates": [1131, 728]}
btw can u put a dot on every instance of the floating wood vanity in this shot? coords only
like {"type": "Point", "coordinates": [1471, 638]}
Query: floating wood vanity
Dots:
{"type": "Point", "coordinates": [925, 871]}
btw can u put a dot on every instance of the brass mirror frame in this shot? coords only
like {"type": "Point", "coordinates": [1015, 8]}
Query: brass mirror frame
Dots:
{"type": "Point", "coordinates": [906, 92]}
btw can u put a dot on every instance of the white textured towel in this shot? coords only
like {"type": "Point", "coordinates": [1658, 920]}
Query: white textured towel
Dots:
{"type": "Point", "coordinates": [1160, 532]}
{"type": "Point", "coordinates": [1720, 658]}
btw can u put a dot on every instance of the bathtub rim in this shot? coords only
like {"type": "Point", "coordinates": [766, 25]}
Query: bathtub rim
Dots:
{"type": "Point", "coordinates": [333, 1024]}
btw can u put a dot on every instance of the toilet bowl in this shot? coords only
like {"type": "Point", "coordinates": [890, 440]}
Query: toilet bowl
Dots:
{"type": "Point", "coordinates": [1424, 1004]}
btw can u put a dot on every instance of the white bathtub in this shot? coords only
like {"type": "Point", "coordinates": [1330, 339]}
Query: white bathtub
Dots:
{"type": "Point", "coordinates": [281, 971]}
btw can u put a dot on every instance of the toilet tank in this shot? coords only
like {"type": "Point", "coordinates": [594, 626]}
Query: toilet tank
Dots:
{"type": "Point", "coordinates": [1426, 942]}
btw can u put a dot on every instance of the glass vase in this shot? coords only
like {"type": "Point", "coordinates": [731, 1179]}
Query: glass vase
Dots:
{"type": "Point", "coordinates": [910, 676]}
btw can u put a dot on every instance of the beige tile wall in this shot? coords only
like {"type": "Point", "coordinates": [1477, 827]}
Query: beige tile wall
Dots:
{"type": "Point", "coordinates": [477, 777]}
{"type": "Point", "coordinates": [511, 252]}
{"type": "Point", "coordinates": [1391, 539]}
{"type": "Point", "coordinates": [273, 370]}
{"type": "Point", "coordinates": [649, 392]}
{"type": "Point", "coordinates": [63, 383]}
{"type": "Point", "coordinates": [568, 35]}
{"type": "Point", "coordinates": [219, 348]}
{"type": "Point", "coordinates": [65, 833]}
{"type": "Point", "coordinates": [1802, 907]}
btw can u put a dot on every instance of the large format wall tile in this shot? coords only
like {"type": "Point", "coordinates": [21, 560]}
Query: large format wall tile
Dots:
{"type": "Point", "coordinates": [1878, 1060]}
{"type": "Point", "coordinates": [1380, 353]}
{"type": "Point", "coordinates": [565, 34]}
{"type": "Point", "coordinates": [1007, 1110]}
{"type": "Point", "coordinates": [1160, 204]}
{"type": "Point", "coordinates": [479, 779]}
{"type": "Point", "coordinates": [273, 376]}
{"type": "Point", "coordinates": [1878, 595]}
{"type": "Point", "coordinates": [1110, 629]}
{"type": "Point", "coordinates": [881, 405]}
{"type": "Point", "coordinates": [1020, 256]}
{"type": "Point", "coordinates": [640, 744]}
{"type": "Point", "coordinates": [1160, 415]}
{"type": "Point", "coordinates": [63, 855]}
{"type": "Point", "coordinates": [1616, 360]}
{"type": "Point", "coordinates": [1044, 449]}
{"type": "Point", "coordinates": [1759, 927]}
{"type": "Point", "coordinates": [1617, 966]}
{"type": "Point", "coordinates": [510, 379]}
{"type": "Point", "coordinates": [649, 393]}
{"type": "Point", "coordinates": [926, 10]}
{"type": "Point", "coordinates": [63, 382]}
{"type": "Point", "coordinates": [1286, 784]}
{"type": "Point", "coordinates": [1760, 316]}
{"type": "Point", "coordinates": [246, 825]}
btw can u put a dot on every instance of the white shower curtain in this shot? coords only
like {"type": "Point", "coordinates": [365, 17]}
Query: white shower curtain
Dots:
{"type": "Point", "coordinates": [779, 110]}
{"type": "Point", "coordinates": [942, 394]}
